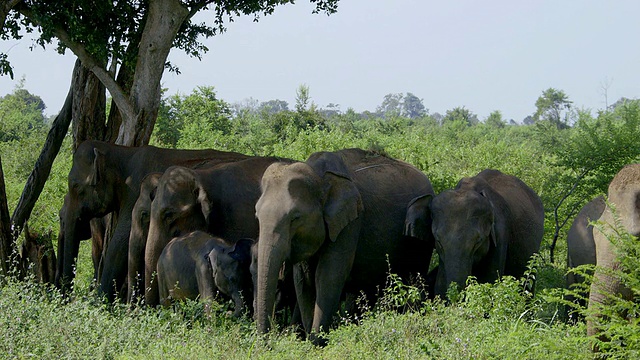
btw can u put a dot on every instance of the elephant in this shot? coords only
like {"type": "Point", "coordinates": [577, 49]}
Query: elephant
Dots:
{"type": "Point", "coordinates": [37, 257]}
{"type": "Point", "coordinates": [624, 193]}
{"type": "Point", "coordinates": [338, 218]}
{"type": "Point", "coordinates": [197, 265]}
{"type": "Point", "coordinates": [219, 200]}
{"type": "Point", "coordinates": [581, 248]}
{"type": "Point", "coordinates": [230, 263]}
{"type": "Point", "coordinates": [138, 235]}
{"type": "Point", "coordinates": [488, 226]}
{"type": "Point", "coordinates": [105, 178]}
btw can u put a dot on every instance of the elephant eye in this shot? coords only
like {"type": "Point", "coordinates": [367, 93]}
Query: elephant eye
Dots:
{"type": "Point", "coordinates": [168, 216]}
{"type": "Point", "coordinates": [144, 215]}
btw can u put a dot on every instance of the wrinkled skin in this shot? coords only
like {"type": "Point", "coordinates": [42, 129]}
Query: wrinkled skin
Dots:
{"type": "Point", "coordinates": [581, 248]}
{"type": "Point", "coordinates": [219, 200]}
{"type": "Point", "coordinates": [105, 178]}
{"type": "Point", "coordinates": [197, 265]}
{"type": "Point", "coordinates": [624, 193]}
{"type": "Point", "coordinates": [338, 218]}
{"type": "Point", "coordinates": [138, 235]}
{"type": "Point", "coordinates": [488, 226]}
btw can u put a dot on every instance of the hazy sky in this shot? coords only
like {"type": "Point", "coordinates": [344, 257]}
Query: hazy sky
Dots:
{"type": "Point", "coordinates": [484, 55]}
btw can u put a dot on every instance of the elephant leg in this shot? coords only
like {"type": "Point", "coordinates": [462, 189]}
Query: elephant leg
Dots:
{"type": "Point", "coordinates": [204, 277]}
{"type": "Point", "coordinates": [114, 272]}
{"type": "Point", "coordinates": [332, 272]}
{"type": "Point", "coordinates": [305, 292]}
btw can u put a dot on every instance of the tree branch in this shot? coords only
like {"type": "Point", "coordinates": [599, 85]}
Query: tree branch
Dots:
{"type": "Point", "coordinates": [117, 93]}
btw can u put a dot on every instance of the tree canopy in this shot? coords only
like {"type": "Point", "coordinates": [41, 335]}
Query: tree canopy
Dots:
{"type": "Point", "coordinates": [126, 43]}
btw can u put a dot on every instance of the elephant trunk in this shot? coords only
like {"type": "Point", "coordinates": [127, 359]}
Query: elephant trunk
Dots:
{"type": "Point", "coordinates": [271, 257]}
{"type": "Point", "coordinates": [68, 248]}
{"type": "Point", "coordinates": [452, 273]}
{"type": "Point", "coordinates": [156, 242]}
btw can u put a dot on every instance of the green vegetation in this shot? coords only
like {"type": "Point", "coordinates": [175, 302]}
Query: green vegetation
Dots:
{"type": "Point", "coordinates": [565, 165]}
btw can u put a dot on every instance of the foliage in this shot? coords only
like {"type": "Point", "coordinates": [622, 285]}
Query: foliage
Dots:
{"type": "Point", "coordinates": [460, 114]}
{"type": "Point", "coordinates": [395, 105]}
{"type": "Point", "coordinates": [553, 107]}
{"type": "Point", "coordinates": [21, 114]}
{"type": "Point", "coordinates": [495, 119]}
{"type": "Point", "coordinates": [192, 119]}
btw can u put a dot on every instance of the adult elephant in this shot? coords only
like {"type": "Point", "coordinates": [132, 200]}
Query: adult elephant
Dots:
{"type": "Point", "coordinates": [105, 178]}
{"type": "Point", "coordinates": [581, 248]}
{"type": "Point", "coordinates": [138, 235]}
{"type": "Point", "coordinates": [488, 226]}
{"type": "Point", "coordinates": [338, 218]}
{"type": "Point", "coordinates": [198, 265]}
{"type": "Point", "coordinates": [624, 193]}
{"type": "Point", "coordinates": [219, 200]}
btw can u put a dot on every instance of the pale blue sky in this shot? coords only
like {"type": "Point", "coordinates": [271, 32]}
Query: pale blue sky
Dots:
{"type": "Point", "coordinates": [484, 55]}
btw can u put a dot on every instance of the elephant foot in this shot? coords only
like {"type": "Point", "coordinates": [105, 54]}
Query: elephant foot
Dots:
{"type": "Point", "coordinates": [319, 340]}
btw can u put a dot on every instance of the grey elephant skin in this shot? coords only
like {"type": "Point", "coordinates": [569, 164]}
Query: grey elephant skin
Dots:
{"type": "Point", "coordinates": [219, 200]}
{"type": "Point", "coordinates": [105, 178]}
{"type": "Point", "coordinates": [581, 247]}
{"type": "Point", "coordinates": [338, 218]}
{"type": "Point", "coordinates": [624, 193]}
{"type": "Point", "coordinates": [138, 236]}
{"type": "Point", "coordinates": [488, 226]}
{"type": "Point", "coordinates": [198, 265]}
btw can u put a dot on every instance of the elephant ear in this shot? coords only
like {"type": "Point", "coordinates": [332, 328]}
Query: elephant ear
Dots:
{"type": "Point", "coordinates": [241, 251]}
{"type": "Point", "coordinates": [417, 222]}
{"type": "Point", "coordinates": [342, 204]}
{"type": "Point", "coordinates": [203, 199]}
{"type": "Point", "coordinates": [98, 167]}
{"type": "Point", "coordinates": [497, 234]}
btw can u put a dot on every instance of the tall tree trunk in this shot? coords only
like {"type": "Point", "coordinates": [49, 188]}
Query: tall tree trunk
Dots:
{"type": "Point", "coordinates": [89, 101]}
{"type": "Point", "coordinates": [163, 23]}
{"type": "Point", "coordinates": [42, 169]}
{"type": "Point", "coordinates": [7, 249]}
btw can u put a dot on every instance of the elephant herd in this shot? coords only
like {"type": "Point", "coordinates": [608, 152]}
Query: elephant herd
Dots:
{"type": "Point", "coordinates": [193, 223]}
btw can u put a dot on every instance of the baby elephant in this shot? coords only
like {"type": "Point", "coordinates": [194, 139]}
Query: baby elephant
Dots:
{"type": "Point", "coordinates": [488, 226]}
{"type": "Point", "coordinates": [199, 265]}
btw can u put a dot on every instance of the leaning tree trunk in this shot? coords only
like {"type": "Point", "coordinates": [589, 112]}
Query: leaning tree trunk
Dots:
{"type": "Point", "coordinates": [42, 169]}
{"type": "Point", "coordinates": [7, 249]}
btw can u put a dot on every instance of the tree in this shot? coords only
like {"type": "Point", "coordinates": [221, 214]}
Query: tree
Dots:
{"type": "Point", "coordinates": [21, 113]}
{"type": "Point", "coordinates": [126, 43]}
{"type": "Point", "coordinates": [274, 106]}
{"type": "Point", "coordinates": [553, 107]}
{"type": "Point", "coordinates": [462, 114]}
{"type": "Point", "coordinates": [495, 119]}
{"type": "Point", "coordinates": [191, 119]}
{"type": "Point", "coordinates": [122, 46]}
{"type": "Point", "coordinates": [391, 105]}
{"type": "Point", "coordinates": [412, 106]}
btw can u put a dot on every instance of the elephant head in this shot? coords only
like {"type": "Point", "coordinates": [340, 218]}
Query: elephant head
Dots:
{"type": "Point", "coordinates": [624, 193]}
{"type": "Point", "coordinates": [91, 194]}
{"type": "Point", "coordinates": [466, 229]}
{"type": "Point", "coordinates": [179, 207]}
{"type": "Point", "coordinates": [303, 205]}
{"type": "Point", "coordinates": [37, 257]}
{"type": "Point", "coordinates": [230, 264]}
{"type": "Point", "coordinates": [140, 218]}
